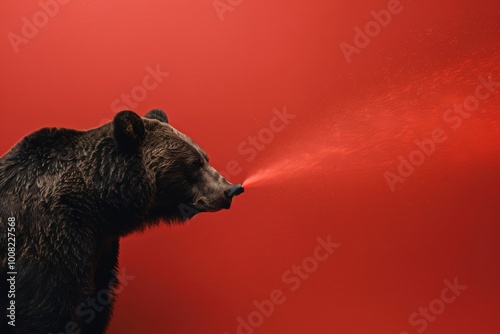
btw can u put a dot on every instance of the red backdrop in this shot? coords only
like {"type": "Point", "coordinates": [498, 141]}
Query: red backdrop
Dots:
{"type": "Point", "coordinates": [229, 64]}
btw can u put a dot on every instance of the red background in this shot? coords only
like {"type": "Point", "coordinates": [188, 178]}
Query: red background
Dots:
{"type": "Point", "coordinates": [225, 79]}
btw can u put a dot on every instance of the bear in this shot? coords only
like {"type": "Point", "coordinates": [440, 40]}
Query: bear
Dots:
{"type": "Point", "coordinates": [69, 196]}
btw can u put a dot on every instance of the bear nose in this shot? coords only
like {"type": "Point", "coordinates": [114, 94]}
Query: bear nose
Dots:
{"type": "Point", "coordinates": [235, 191]}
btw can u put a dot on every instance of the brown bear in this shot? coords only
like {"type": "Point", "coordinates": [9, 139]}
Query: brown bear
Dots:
{"type": "Point", "coordinates": [66, 199]}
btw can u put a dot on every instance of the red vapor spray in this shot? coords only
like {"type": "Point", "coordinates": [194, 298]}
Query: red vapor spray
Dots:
{"type": "Point", "coordinates": [374, 135]}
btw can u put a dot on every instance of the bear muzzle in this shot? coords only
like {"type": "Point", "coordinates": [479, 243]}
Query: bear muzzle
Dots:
{"type": "Point", "coordinates": [207, 204]}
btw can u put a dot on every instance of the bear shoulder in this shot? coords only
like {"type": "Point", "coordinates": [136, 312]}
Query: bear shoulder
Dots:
{"type": "Point", "coordinates": [40, 151]}
{"type": "Point", "coordinates": [50, 138]}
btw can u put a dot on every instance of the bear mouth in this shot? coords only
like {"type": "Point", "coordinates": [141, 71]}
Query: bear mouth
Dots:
{"type": "Point", "coordinates": [205, 205]}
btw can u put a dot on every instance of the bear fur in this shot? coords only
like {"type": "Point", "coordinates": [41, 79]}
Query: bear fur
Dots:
{"type": "Point", "coordinates": [74, 194]}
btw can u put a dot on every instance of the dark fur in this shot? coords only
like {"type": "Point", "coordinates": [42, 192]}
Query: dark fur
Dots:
{"type": "Point", "coordinates": [75, 193]}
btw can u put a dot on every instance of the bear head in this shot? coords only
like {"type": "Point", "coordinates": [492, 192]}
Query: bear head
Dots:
{"type": "Point", "coordinates": [183, 180]}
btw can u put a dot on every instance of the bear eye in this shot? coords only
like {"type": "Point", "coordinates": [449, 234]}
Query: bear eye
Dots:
{"type": "Point", "coordinates": [198, 163]}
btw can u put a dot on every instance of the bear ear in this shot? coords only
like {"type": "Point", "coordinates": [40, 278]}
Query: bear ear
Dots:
{"type": "Point", "coordinates": [158, 115]}
{"type": "Point", "coordinates": [128, 129]}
